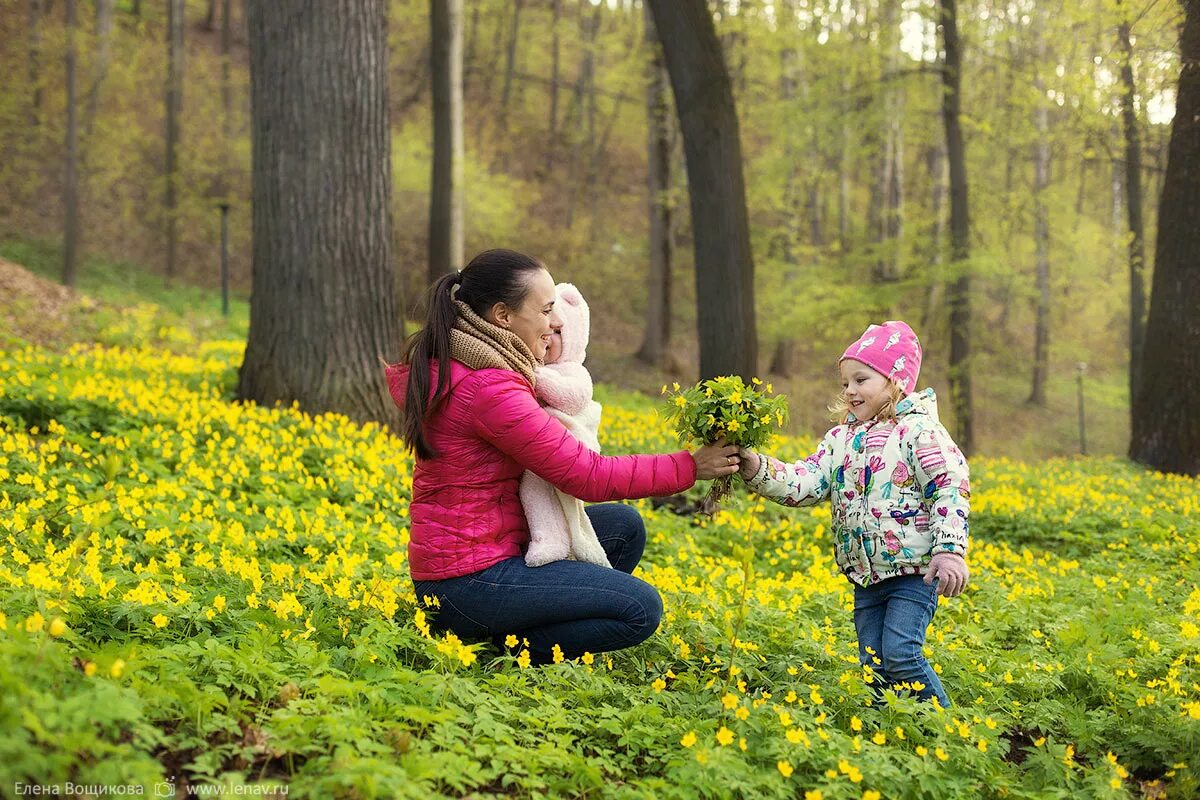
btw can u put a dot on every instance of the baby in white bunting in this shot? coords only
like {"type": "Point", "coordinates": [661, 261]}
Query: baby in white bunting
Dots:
{"type": "Point", "coordinates": [558, 527]}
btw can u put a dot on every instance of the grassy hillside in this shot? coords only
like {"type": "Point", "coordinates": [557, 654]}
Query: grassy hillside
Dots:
{"type": "Point", "coordinates": [201, 592]}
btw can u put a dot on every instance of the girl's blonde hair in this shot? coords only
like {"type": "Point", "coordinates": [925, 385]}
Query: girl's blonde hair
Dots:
{"type": "Point", "coordinates": [840, 410]}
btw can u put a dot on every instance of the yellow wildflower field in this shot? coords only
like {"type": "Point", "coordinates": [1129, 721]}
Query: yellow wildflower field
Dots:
{"type": "Point", "coordinates": [198, 591]}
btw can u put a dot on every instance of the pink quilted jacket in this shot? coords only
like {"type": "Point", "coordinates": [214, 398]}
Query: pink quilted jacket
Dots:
{"type": "Point", "coordinates": [465, 513]}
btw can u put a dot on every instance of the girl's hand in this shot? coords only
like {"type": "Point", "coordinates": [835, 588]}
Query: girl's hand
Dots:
{"type": "Point", "coordinates": [716, 460]}
{"type": "Point", "coordinates": [749, 463]}
{"type": "Point", "coordinates": [951, 568]}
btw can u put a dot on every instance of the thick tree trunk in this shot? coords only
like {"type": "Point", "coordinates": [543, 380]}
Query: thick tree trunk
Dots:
{"type": "Point", "coordinates": [446, 195]}
{"type": "Point", "coordinates": [960, 233]}
{"type": "Point", "coordinates": [1166, 427]}
{"type": "Point", "coordinates": [721, 231]}
{"type": "Point", "coordinates": [174, 105]}
{"type": "Point", "coordinates": [1133, 207]}
{"type": "Point", "coordinates": [71, 199]}
{"type": "Point", "coordinates": [656, 343]}
{"type": "Point", "coordinates": [323, 303]}
{"type": "Point", "coordinates": [1041, 233]}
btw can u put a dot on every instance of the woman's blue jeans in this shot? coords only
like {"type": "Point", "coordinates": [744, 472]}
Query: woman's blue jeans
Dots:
{"type": "Point", "coordinates": [580, 607]}
{"type": "Point", "coordinates": [891, 617]}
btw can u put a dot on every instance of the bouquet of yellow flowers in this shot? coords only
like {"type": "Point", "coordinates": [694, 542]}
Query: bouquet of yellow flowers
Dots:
{"type": "Point", "coordinates": [725, 407]}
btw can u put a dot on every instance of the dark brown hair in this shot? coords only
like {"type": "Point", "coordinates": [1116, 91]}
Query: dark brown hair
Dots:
{"type": "Point", "coordinates": [493, 276]}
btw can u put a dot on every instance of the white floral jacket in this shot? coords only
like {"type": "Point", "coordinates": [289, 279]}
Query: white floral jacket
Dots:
{"type": "Point", "coordinates": [900, 490]}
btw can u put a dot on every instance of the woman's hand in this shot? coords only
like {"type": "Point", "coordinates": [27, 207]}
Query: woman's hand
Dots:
{"type": "Point", "coordinates": [716, 460]}
{"type": "Point", "coordinates": [951, 570]}
{"type": "Point", "coordinates": [749, 463]}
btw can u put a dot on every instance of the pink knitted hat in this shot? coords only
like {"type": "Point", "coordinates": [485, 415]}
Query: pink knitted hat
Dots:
{"type": "Point", "coordinates": [891, 349]}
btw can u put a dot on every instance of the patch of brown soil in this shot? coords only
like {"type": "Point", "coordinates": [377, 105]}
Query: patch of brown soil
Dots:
{"type": "Point", "coordinates": [34, 310]}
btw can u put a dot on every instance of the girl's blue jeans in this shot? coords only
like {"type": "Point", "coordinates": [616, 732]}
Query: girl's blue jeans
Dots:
{"type": "Point", "coordinates": [580, 607]}
{"type": "Point", "coordinates": [891, 617]}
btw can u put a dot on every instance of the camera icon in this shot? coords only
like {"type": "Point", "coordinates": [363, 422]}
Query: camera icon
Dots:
{"type": "Point", "coordinates": [164, 789]}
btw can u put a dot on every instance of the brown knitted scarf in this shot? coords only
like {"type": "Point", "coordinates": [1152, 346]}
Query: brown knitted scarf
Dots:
{"type": "Point", "coordinates": [481, 345]}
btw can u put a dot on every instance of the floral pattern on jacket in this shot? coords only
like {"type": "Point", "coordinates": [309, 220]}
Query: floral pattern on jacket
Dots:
{"type": "Point", "coordinates": [900, 490]}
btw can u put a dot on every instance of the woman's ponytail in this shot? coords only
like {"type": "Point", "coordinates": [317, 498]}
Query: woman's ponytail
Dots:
{"type": "Point", "coordinates": [431, 343]}
{"type": "Point", "coordinates": [493, 276]}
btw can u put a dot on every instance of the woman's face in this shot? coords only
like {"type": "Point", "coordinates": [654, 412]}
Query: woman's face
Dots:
{"type": "Point", "coordinates": [535, 320]}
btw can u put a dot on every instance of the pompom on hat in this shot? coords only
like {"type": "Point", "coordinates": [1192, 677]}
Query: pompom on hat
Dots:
{"type": "Point", "coordinates": [891, 349]}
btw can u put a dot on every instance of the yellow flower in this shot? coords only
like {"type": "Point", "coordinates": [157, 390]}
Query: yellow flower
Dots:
{"type": "Point", "coordinates": [941, 754]}
{"type": "Point", "coordinates": [736, 397]}
{"type": "Point", "coordinates": [742, 713]}
{"type": "Point", "coordinates": [733, 425]}
{"type": "Point", "coordinates": [688, 739]}
{"type": "Point", "coordinates": [160, 621]}
{"type": "Point", "coordinates": [675, 385]}
{"type": "Point", "coordinates": [922, 751]}
{"type": "Point", "coordinates": [982, 745]}
{"type": "Point", "coordinates": [556, 654]}
{"type": "Point", "coordinates": [89, 668]}
{"type": "Point", "coordinates": [785, 769]}
{"type": "Point", "coordinates": [680, 401]}
{"type": "Point", "coordinates": [587, 658]}
{"type": "Point", "coordinates": [58, 627]}
{"type": "Point", "coordinates": [724, 736]}
{"type": "Point", "coordinates": [730, 700]}
{"type": "Point", "coordinates": [659, 684]}
{"type": "Point", "coordinates": [815, 794]}
{"type": "Point", "coordinates": [219, 602]}
{"type": "Point", "coordinates": [523, 660]}
{"type": "Point", "coordinates": [879, 738]}
{"type": "Point", "coordinates": [35, 622]}
{"type": "Point", "coordinates": [510, 641]}
{"type": "Point", "coordinates": [855, 724]}
{"type": "Point", "coordinates": [871, 794]}
{"type": "Point", "coordinates": [118, 668]}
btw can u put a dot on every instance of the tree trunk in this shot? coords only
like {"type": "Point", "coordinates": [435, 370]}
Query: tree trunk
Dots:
{"type": "Point", "coordinates": [1166, 427]}
{"type": "Point", "coordinates": [510, 63]}
{"type": "Point", "coordinates": [35, 54]}
{"type": "Point", "coordinates": [1041, 232]}
{"type": "Point", "coordinates": [656, 343]}
{"type": "Point", "coordinates": [554, 70]}
{"type": "Point", "coordinates": [174, 104]}
{"type": "Point", "coordinates": [104, 20]}
{"type": "Point", "coordinates": [1133, 207]}
{"type": "Point", "coordinates": [446, 195]}
{"type": "Point", "coordinates": [71, 200]}
{"type": "Point", "coordinates": [936, 159]}
{"type": "Point", "coordinates": [960, 233]}
{"type": "Point", "coordinates": [721, 230]}
{"type": "Point", "coordinates": [323, 303]}
{"type": "Point", "coordinates": [887, 195]}
{"type": "Point", "coordinates": [227, 70]}
{"type": "Point", "coordinates": [210, 19]}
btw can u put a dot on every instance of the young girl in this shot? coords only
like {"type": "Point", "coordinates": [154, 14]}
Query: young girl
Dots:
{"type": "Point", "coordinates": [899, 488]}
{"type": "Point", "coordinates": [558, 526]}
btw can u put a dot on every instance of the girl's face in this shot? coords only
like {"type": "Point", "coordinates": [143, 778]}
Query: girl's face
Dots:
{"type": "Point", "coordinates": [864, 389]}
